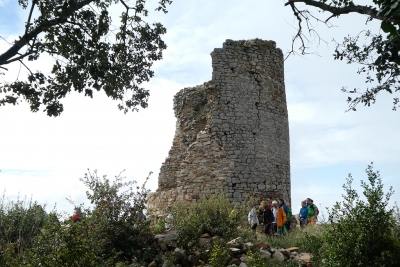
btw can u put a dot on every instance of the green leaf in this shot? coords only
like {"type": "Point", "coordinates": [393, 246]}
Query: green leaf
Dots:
{"type": "Point", "coordinates": [388, 27]}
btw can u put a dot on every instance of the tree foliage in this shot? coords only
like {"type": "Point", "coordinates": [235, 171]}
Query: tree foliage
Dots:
{"type": "Point", "coordinates": [89, 52]}
{"type": "Point", "coordinates": [378, 54]}
{"type": "Point", "coordinates": [361, 232]}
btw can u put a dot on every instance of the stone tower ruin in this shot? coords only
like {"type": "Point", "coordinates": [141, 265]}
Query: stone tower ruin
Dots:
{"type": "Point", "coordinates": [232, 133]}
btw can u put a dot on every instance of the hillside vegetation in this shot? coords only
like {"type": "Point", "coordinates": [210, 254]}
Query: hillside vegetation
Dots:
{"type": "Point", "coordinates": [360, 231]}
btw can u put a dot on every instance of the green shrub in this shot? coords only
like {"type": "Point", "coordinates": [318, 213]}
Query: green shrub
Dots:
{"type": "Point", "coordinates": [21, 221]}
{"type": "Point", "coordinates": [313, 242]}
{"type": "Point", "coordinates": [361, 232]}
{"type": "Point", "coordinates": [219, 255]}
{"type": "Point", "coordinates": [158, 226]}
{"type": "Point", "coordinates": [105, 236]}
{"type": "Point", "coordinates": [214, 215]}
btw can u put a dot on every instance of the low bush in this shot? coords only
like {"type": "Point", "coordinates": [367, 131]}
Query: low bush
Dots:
{"type": "Point", "coordinates": [214, 215]}
{"type": "Point", "coordinates": [21, 221]}
{"type": "Point", "coordinates": [106, 235]}
{"type": "Point", "coordinates": [219, 255]}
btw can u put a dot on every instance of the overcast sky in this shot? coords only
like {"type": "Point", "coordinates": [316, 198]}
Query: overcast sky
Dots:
{"type": "Point", "coordinates": [44, 157]}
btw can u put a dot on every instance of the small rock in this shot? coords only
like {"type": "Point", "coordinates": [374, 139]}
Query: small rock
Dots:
{"type": "Point", "coordinates": [168, 263]}
{"type": "Point", "coordinates": [194, 259]}
{"type": "Point", "coordinates": [180, 254]}
{"type": "Point", "coordinates": [244, 259]}
{"type": "Point", "coordinates": [235, 243]}
{"type": "Point", "coordinates": [247, 246]}
{"type": "Point", "coordinates": [168, 239]}
{"type": "Point", "coordinates": [163, 247]}
{"type": "Point", "coordinates": [278, 256]}
{"type": "Point", "coordinates": [234, 261]}
{"type": "Point", "coordinates": [235, 250]}
{"type": "Point", "coordinates": [265, 254]}
{"type": "Point", "coordinates": [285, 253]}
{"type": "Point", "coordinates": [204, 242]}
{"type": "Point", "coordinates": [205, 235]}
{"type": "Point", "coordinates": [152, 264]}
{"type": "Point", "coordinates": [293, 249]}
{"type": "Point", "coordinates": [262, 245]}
{"type": "Point", "coordinates": [215, 238]}
{"type": "Point", "coordinates": [242, 264]}
{"type": "Point", "coordinates": [305, 259]}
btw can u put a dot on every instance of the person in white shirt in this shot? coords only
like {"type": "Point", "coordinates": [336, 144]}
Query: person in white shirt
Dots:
{"type": "Point", "coordinates": [253, 218]}
{"type": "Point", "coordinates": [169, 220]}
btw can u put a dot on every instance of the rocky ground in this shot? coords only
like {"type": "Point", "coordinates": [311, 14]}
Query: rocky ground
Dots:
{"type": "Point", "coordinates": [174, 256]}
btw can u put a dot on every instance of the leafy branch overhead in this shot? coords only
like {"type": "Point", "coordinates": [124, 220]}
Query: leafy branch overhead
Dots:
{"type": "Point", "coordinates": [89, 51]}
{"type": "Point", "coordinates": [378, 55]}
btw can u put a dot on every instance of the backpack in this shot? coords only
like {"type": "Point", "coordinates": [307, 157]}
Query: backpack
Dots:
{"type": "Point", "coordinates": [313, 208]}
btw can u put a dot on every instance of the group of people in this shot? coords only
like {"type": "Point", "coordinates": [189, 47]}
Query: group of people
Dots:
{"type": "Point", "coordinates": [276, 215]}
{"type": "Point", "coordinates": [308, 212]}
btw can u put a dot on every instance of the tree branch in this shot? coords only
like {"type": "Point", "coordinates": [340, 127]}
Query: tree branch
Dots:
{"type": "Point", "coordinates": [17, 58]}
{"type": "Point", "coordinates": [30, 16]}
{"type": "Point", "coordinates": [336, 11]}
{"type": "Point", "coordinates": [27, 37]}
{"type": "Point", "coordinates": [26, 66]}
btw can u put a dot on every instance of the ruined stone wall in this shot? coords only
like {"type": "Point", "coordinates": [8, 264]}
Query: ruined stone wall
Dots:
{"type": "Point", "coordinates": [232, 133]}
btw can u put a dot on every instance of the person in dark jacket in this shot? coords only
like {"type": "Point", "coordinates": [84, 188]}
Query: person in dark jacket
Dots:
{"type": "Point", "coordinates": [268, 217]}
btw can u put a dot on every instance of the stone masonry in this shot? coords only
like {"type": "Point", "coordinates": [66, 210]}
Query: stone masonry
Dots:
{"type": "Point", "coordinates": [232, 133]}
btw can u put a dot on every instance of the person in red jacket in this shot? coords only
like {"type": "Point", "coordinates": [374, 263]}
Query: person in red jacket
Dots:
{"type": "Point", "coordinates": [77, 215]}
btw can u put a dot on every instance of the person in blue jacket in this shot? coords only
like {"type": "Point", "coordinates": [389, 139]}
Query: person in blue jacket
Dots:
{"type": "Point", "coordinates": [303, 214]}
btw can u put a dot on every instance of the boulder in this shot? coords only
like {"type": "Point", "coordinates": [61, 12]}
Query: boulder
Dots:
{"type": "Point", "coordinates": [242, 264]}
{"type": "Point", "coordinates": [278, 256]}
